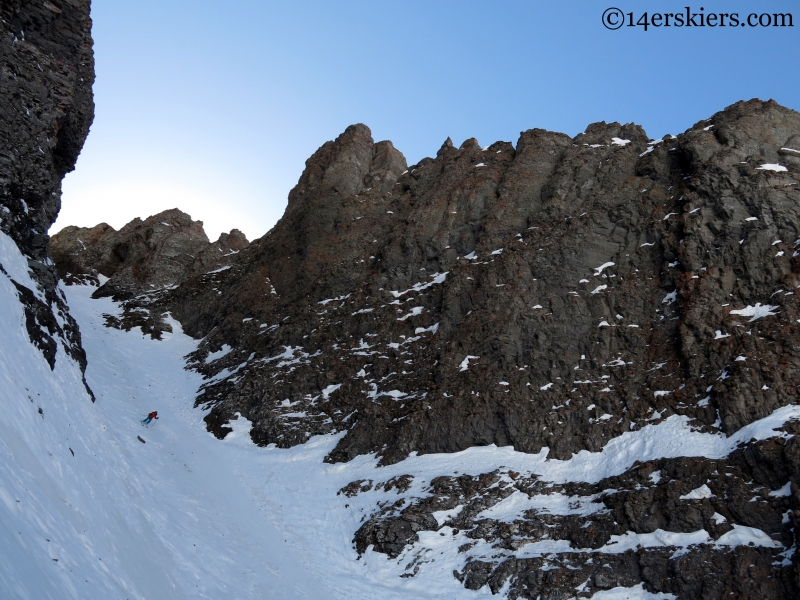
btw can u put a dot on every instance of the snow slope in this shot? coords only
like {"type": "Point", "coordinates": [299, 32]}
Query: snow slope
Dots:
{"type": "Point", "coordinates": [122, 519]}
{"type": "Point", "coordinates": [180, 516]}
{"type": "Point", "coordinates": [185, 515]}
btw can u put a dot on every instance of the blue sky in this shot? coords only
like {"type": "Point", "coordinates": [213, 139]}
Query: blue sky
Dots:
{"type": "Point", "coordinates": [214, 106]}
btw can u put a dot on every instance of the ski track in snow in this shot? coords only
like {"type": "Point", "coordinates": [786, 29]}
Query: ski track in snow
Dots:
{"type": "Point", "coordinates": [188, 516]}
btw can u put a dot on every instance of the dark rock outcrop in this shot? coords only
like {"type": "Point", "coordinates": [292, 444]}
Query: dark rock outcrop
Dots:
{"type": "Point", "coordinates": [161, 251]}
{"type": "Point", "coordinates": [46, 89]}
{"type": "Point", "coordinates": [141, 262]}
{"type": "Point", "coordinates": [46, 107]}
{"type": "Point", "coordinates": [650, 497]}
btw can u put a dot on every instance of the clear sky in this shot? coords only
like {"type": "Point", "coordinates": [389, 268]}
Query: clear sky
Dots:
{"type": "Point", "coordinates": [214, 106]}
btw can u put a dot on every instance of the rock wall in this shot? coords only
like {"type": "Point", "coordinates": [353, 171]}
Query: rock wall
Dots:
{"type": "Point", "coordinates": [596, 270]}
{"type": "Point", "coordinates": [46, 107]}
{"type": "Point", "coordinates": [163, 250]}
{"type": "Point", "coordinates": [142, 261]}
{"type": "Point", "coordinates": [46, 85]}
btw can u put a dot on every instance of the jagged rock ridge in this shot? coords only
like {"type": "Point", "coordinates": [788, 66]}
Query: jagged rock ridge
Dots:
{"type": "Point", "coordinates": [558, 293]}
{"type": "Point", "coordinates": [142, 260]}
{"type": "Point", "coordinates": [160, 251]}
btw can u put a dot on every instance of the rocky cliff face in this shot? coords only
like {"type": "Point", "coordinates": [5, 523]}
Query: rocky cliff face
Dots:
{"type": "Point", "coordinates": [558, 295]}
{"type": "Point", "coordinates": [142, 261]}
{"type": "Point", "coordinates": [46, 108]}
{"type": "Point", "coordinates": [557, 261]}
{"type": "Point", "coordinates": [160, 251]}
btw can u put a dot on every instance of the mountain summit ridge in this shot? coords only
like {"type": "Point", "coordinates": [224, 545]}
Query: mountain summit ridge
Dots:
{"type": "Point", "coordinates": [564, 295]}
{"type": "Point", "coordinates": [163, 250]}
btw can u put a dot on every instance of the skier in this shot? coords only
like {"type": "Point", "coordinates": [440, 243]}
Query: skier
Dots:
{"type": "Point", "coordinates": [150, 417]}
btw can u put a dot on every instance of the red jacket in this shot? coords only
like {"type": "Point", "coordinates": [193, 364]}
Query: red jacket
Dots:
{"type": "Point", "coordinates": [152, 415]}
